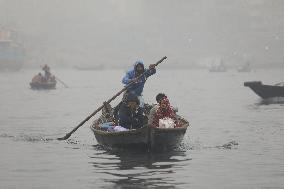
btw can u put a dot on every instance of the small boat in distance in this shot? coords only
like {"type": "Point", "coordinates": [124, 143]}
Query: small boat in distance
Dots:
{"type": "Point", "coordinates": [266, 91]}
{"type": "Point", "coordinates": [46, 81]}
{"type": "Point", "coordinates": [245, 68]}
{"type": "Point", "coordinates": [43, 85]}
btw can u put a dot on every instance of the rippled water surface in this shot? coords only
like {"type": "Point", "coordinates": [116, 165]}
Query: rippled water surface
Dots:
{"type": "Point", "coordinates": [235, 140]}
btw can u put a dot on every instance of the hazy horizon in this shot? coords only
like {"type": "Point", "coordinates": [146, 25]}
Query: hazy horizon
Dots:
{"type": "Point", "coordinates": [68, 33]}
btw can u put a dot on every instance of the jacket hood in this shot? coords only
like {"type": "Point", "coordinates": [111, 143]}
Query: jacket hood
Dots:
{"type": "Point", "coordinates": [135, 64]}
{"type": "Point", "coordinates": [139, 62]}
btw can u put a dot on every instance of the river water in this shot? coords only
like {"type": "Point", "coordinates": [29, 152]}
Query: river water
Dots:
{"type": "Point", "coordinates": [234, 141]}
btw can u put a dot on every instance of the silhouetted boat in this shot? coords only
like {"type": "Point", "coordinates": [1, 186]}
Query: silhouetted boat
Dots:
{"type": "Point", "coordinates": [43, 85]}
{"type": "Point", "coordinates": [266, 91]}
{"type": "Point", "coordinates": [147, 137]}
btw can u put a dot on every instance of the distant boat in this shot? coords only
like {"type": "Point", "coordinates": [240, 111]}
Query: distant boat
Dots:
{"type": "Point", "coordinates": [92, 67]}
{"type": "Point", "coordinates": [48, 81]}
{"type": "Point", "coordinates": [266, 91]}
{"type": "Point", "coordinates": [218, 68]}
{"type": "Point", "coordinates": [43, 85]}
{"type": "Point", "coordinates": [11, 53]}
{"type": "Point", "coordinates": [245, 68]}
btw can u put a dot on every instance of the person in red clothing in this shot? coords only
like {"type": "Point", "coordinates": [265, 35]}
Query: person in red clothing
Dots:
{"type": "Point", "coordinates": [164, 110]}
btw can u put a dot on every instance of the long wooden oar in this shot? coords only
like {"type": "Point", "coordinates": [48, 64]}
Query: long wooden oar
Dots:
{"type": "Point", "coordinates": [101, 107]}
{"type": "Point", "coordinates": [61, 82]}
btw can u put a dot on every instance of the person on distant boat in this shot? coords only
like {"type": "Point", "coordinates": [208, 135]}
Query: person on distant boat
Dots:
{"type": "Point", "coordinates": [164, 111]}
{"type": "Point", "coordinates": [130, 115]}
{"type": "Point", "coordinates": [46, 68]}
{"type": "Point", "coordinates": [47, 73]}
{"type": "Point", "coordinates": [37, 78]}
{"type": "Point", "coordinates": [131, 76]}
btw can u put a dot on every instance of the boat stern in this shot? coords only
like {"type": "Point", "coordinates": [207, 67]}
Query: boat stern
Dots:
{"type": "Point", "coordinates": [252, 83]}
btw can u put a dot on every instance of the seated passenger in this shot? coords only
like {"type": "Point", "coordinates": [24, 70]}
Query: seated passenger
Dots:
{"type": "Point", "coordinates": [130, 115]}
{"type": "Point", "coordinates": [164, 112]}
{"type": "Point", "coordinates": [106, 117]}
{"type": "Point", "coordinates": [153, 110]}
{"type": "Point", "coordinates": [37, 78]}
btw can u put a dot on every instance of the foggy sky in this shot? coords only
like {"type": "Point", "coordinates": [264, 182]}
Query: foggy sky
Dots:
{"type": "Point", "coordinates": [117, 32]}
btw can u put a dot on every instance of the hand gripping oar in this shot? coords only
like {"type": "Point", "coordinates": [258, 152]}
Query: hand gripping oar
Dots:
{"type": "Point", "coordinates": [101, 107]}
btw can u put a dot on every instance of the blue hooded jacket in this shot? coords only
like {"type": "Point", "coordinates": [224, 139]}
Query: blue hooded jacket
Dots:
{"type": "Point", "coordinates": [137, 88]}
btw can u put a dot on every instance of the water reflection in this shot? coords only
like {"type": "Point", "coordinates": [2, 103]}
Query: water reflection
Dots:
{"type": "Point", "coordinates": [136, 169]}
{"type": "Point", "coordinates": [275, 100]}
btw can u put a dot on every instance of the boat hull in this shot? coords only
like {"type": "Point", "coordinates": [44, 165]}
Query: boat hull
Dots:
{"type": "Point", "coordinates": [265, 91]}
{"type": "Point", "coordinates": [124, 139]}
{"type": "Point", "coordinates": [149, 138]}
{"type": "Point", "coordinates": [47, 85]}
{"type": "Point", "coordinates": [165, 139]}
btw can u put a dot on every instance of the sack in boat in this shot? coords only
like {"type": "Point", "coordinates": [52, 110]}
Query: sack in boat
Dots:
{"type": "Point", "coordinates": [110, 127]}
{"type": "Point", "coordinates": [119, 128]}
{"type": "Point", "coordinates": [166, 123]}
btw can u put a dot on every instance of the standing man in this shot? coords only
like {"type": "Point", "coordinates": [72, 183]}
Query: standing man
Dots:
{"type": "Point", "coordinates": [47, 73]}
{"type": "Point", "coordinates": [131, 76]}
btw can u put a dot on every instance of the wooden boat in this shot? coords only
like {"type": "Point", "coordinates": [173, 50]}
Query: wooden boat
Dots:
{"type": "Point", "coordinates": [245, 68]}
{"type": "Point", "coordinates": [149, 138]}
{"type": "Point", "coordinates": [266, 91]}
{"type": "Point", "coordinates": [43, 85]}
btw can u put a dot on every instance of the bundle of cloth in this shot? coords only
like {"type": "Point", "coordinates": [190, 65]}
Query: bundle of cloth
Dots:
{"type": "Point", "coordinates": [111, 127]}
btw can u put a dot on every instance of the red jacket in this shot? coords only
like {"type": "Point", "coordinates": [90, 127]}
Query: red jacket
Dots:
{"type": "Point", "coordinates": [164, 112]}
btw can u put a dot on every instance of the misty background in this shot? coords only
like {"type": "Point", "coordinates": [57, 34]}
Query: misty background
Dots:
{"type": "Point", "coordinates": [68, 33]}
